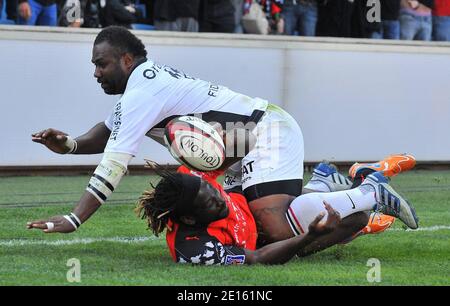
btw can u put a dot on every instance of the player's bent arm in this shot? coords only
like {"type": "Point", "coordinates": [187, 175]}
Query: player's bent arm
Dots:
{"type": "Point", "coordinates": [282, 251]}
{"type": "Point", "coordinates": [94, 141]}
{"type": "Point", "coordinates": [278, 252]}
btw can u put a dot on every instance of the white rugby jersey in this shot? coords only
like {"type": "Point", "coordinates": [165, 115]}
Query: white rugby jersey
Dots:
{"type": "Point", "coordinates": [155, 94]}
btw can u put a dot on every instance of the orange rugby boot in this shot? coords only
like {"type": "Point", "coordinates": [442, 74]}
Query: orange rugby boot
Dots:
{"type": "Point", "coordinates": [390, 166]}
{"type": "Point", "coordinates": [378, 223]}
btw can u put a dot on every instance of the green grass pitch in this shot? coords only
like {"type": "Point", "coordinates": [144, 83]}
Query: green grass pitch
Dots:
{"type": "Point", "coordinates": [114, 247]}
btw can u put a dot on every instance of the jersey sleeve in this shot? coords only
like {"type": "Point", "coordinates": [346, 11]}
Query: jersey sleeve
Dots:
{"type": "Point", "coordinates": [207, 250]}
{"type": "Point", "coordinates": [132, 117]}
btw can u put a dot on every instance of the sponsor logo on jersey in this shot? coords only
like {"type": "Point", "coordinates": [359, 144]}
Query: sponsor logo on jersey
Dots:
{"type": "Point", "coordinates": [149, 74]}
{"type": "Point", "coordinates": [213, 90]}
{"type": "Point", "coordinates": [235, 259]}
{"type": "Point", "coordinates": [117, 121]}
{"type": "Point", "coordinates": [229, 180]}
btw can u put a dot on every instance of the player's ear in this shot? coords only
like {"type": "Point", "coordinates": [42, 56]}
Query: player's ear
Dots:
{"type": "Point", "coordinates": [128, 60]}
{"type": "Point", "coordinates": [188, 220]}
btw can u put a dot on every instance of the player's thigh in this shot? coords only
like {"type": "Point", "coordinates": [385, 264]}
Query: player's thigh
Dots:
{"type": "Point", "coordinates": [272, 172]}
{"type": "Point", "coordinates": [270, 216]}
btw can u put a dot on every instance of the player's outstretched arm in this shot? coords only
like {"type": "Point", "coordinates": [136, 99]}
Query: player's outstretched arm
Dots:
{"type": "Point", "coordinates": [282, 251]}
{"type": "Point", "coordinates": [103, 182]}
{"type": "Point", "coordinates": [94, 141]}
{"type": "Point", "coordinates": [87, 205]}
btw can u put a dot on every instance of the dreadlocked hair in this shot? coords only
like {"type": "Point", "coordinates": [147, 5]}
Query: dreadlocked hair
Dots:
{"type": "Point", "coordinates": [158, 203]}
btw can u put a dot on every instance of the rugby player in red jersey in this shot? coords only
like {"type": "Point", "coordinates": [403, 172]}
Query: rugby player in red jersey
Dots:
{"type": "Point", "coordinates": [206, 225]}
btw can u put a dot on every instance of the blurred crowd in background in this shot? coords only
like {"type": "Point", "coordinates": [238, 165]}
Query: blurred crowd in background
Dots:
{"type": "Point", "coordinates": [378, 19]}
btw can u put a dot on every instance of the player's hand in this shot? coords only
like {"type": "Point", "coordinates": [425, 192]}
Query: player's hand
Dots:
{"type": "Point", "coordinates": [53, 139]}
{"type": "Point", "coordinates": [319, 228]}
{"type": "Point", "coordinates": [24, 10]}
{"type": "Point", "coordinates": [60, 225]}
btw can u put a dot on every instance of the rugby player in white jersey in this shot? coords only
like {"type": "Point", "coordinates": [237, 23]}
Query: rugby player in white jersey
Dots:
{"type": "Point", "coordinates": [152, 94]}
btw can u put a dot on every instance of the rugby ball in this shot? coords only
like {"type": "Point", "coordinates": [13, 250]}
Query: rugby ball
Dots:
{"type": "Point", "coordinates": [195, 143]}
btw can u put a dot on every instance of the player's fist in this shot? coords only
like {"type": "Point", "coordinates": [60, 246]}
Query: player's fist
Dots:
{"type": "Point", "coordinates": [53, 139]}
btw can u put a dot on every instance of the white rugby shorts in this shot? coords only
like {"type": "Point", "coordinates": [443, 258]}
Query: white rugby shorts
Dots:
{"type": "Point", "coordinates": [276, 160]}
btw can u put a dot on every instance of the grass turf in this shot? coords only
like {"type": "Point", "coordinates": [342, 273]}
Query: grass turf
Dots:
{"type": "Point", "coordinates": [407, 257]}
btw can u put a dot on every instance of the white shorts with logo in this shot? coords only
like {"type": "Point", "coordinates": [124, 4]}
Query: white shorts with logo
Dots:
{"type": "Point", "coordinates": [277, 156]}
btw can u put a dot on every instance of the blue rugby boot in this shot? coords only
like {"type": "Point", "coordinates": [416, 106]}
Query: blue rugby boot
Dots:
{"type": "Point", "coordinates": [325, 175]}
{"type": "Point", "coordinates": [389, 202]}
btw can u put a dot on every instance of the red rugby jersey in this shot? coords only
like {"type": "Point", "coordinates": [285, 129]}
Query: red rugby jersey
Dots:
{"type": "Point", "coordinates": [223, 241]}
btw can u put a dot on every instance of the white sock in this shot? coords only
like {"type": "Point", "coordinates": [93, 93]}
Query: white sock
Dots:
{"type": "Point", "coordinates": [305, 208]}
{"type": "Point", "coordinates": [351, 201]}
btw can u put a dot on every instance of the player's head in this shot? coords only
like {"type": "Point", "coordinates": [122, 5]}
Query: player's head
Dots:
{"type": "Point", "coordinates": [115, 52]}
{"type": "Point", "coordinates": [181, 198]}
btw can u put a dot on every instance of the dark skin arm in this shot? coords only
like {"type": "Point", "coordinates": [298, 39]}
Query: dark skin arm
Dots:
{"type": "Point", "coordinates": [282, 251]}
{"type": "Point", "coordinates": [87, 205]}
{"type": "Point", "coordinates": [348, 227]}
{"type": "Point", "coordinates": [93, 142]}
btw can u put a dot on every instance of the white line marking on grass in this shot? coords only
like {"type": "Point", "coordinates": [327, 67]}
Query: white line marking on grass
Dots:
{"type": "Point", "coordinates": [25, 242]}
{"type": "Point", "coordinates": [130, 240]}
{"type": "Point", "coordinates": [423, 229]}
